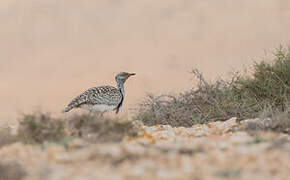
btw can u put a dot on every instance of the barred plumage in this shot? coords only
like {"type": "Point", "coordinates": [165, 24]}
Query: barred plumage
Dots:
{"type": "Point", "coordinates": [101, 98]}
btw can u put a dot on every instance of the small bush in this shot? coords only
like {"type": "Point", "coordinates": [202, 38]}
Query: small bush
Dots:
{"type": "Point", "coordinates": [40, 127]}
{"type": "Point", "coordinates": [243, 96]}
{"type": "Point", "coordinates": [208, 102]}
{"type": "Point", "coordinates": [270, 82]}
{"type": "Point", "coordinates": [94, 128]}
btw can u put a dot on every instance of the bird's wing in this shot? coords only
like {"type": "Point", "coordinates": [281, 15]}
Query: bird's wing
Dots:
{"type": "Point", "coordinates": [103, 95]}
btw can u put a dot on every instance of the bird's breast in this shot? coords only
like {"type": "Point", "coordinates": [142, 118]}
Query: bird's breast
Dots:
{"type": "Point", "coordinates": [98, 107]}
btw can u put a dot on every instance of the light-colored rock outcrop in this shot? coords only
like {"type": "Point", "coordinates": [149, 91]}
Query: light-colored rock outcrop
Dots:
{"type": "Point", "coordinates": [208, 151]}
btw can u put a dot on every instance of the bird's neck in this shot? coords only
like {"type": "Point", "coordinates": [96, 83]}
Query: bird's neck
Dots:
{"type": "Point", "coordinates": [120, 85]}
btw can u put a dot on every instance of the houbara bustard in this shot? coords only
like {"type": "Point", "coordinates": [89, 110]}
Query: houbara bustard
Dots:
{"type": "Point", "coordinates": [102, 98]}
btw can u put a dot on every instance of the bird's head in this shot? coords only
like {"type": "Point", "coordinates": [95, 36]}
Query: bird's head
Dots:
{"type": "Point", "coordinates": [123, 76]}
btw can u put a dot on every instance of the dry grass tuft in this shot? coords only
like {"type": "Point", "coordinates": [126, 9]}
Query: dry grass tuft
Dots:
{"type": "Point", "coordinates": [94, 128]}
{"type": "Point", "coordinates": [40, 127]}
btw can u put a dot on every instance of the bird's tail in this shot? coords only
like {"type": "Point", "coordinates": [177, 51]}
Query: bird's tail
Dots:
{"type": "Point", "coordinates": [67, 109]}
{"type": "Point", "coordinates": [76, 102]}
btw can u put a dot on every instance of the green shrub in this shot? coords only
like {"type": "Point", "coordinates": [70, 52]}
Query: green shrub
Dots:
{"type": "Point", "coordinates": [243, 96]}
{"type": "Point", "coordinates": [270, 83]}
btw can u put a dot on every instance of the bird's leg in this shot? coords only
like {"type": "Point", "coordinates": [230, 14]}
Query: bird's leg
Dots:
{"type": "Point", "coordinates": [91, 112]}
{"type": "Point", "coordinates": [102, 113]}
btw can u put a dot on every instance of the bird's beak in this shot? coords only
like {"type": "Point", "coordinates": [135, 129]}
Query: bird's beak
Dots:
{"type": "Point", "coordinates": [132, 74]}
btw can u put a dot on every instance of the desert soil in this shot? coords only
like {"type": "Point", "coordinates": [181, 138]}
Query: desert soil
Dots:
{"type": "Point", "coordinates": [209, 151]}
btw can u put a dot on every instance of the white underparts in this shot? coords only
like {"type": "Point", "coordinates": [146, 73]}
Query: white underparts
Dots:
{"type": "Point", "coordinates": [98, 107]}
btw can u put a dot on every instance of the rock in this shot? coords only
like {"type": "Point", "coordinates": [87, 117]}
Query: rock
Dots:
{"type": "Point", "coordinates": [204, 151]}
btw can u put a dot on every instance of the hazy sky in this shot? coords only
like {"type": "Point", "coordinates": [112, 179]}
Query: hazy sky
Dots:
{"type": "Point", "coordinates": [52, 50]}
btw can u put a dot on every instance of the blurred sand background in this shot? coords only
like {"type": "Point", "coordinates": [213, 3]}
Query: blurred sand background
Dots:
{"type": "Point", "coordinates": [52, 50]}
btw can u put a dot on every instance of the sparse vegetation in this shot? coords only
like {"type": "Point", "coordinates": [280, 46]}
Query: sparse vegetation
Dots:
{"type": "Point", "coordinates": [244, 96]}
{"type": "Point", "coordinates": [94, 128]}
{"type": "Point", "coordinates": [276, 121]}
{"type": "Point", "coordinates": [41, 127]}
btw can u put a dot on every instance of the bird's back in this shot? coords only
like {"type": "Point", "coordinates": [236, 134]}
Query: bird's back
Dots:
{"type": "Point", "coordinates": [102, 95]}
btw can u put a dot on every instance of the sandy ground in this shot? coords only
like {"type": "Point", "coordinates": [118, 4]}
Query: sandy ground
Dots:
{"type": "Point", "coordinates": [213, 151]}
